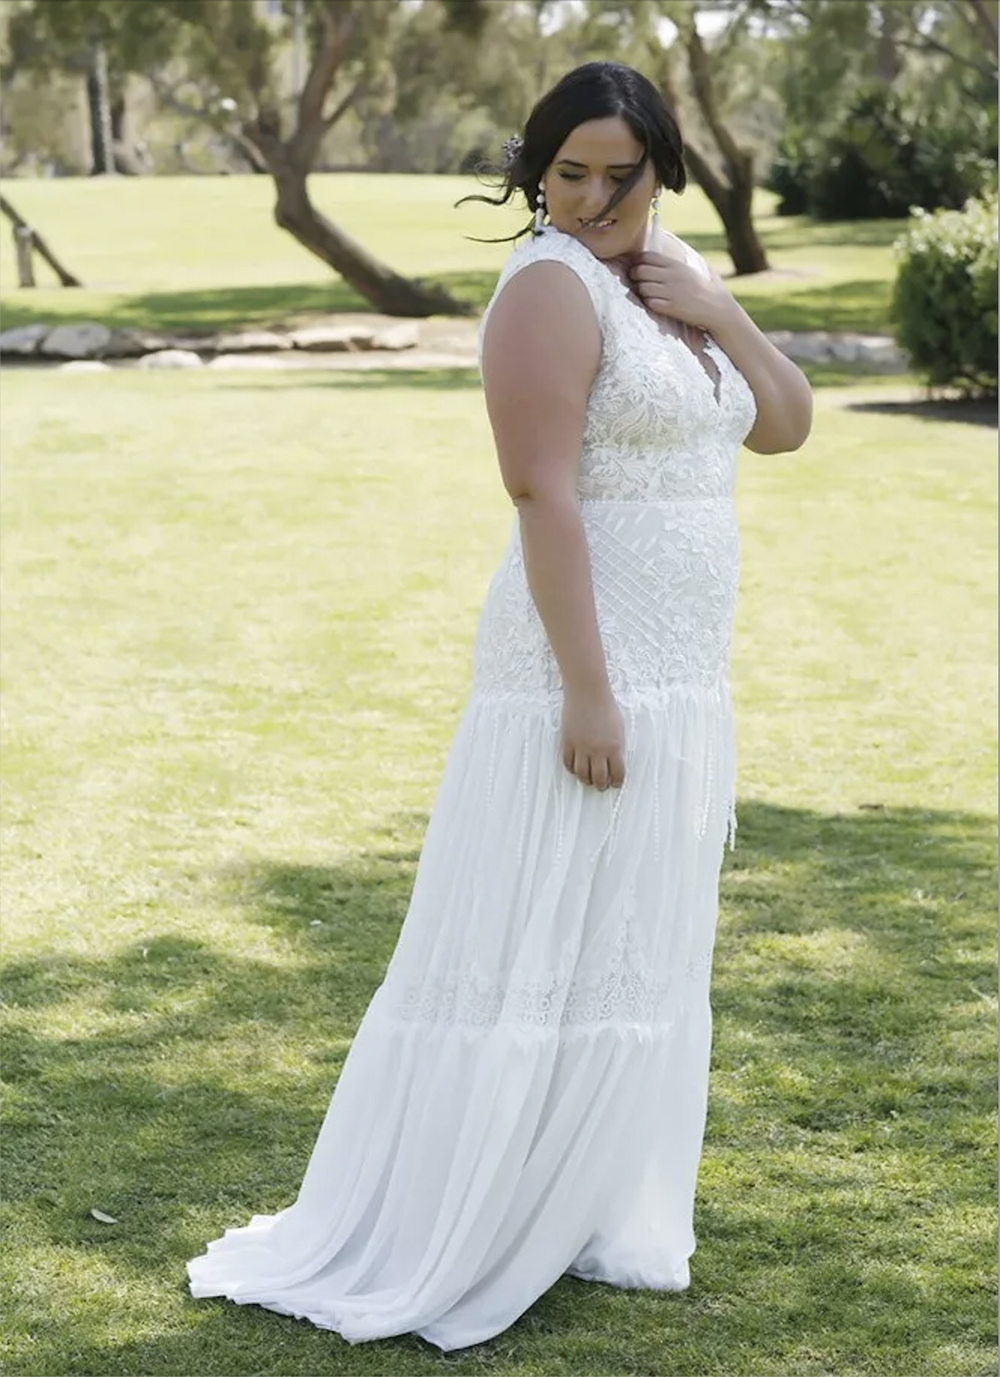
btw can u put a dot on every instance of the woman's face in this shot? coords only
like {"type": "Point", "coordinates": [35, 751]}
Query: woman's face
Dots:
{"type": "Point", "coordinates": [583, 176]}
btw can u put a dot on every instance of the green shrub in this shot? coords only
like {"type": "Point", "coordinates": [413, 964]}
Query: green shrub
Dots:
{"type": "Point", "coordinates": [880, 160]}
{"type": "Point", "coordinates": [945, 296]}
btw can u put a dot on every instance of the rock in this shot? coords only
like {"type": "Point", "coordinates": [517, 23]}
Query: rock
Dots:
{"type": "Point", "coordinates": [197, 344]}
{"type": "Point", "coordinates": [246, 361]}
{"type": "Point", "coordinates": [332, 338]}
{"type": "Point", "coordinates": [809, 346]}
{"type": "Point", "coordinates": [25, 339]}
{"type": "Point", "coordinates": [884, 356]}
{"type": "Point", "coordinates": [406, 336]}
{"type": "Point", "coordinates": [251, 342]}
{"type": "Point", "coordinates": [876, 352]}
{"type": "Point", "coordinates": [171, 358]}
{"type": "Point", "coordinates": [847, 349]}
{"type": "Point", "coordinates": [76, 341]}
{"type": "Point", "coordinates": [132, 344]}
{"type": "Point", "coordinates": [83, 366]}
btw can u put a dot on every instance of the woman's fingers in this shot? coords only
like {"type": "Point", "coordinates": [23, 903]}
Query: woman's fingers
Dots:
{"type": "Point", "coordinates": [616, 769]}
{"type": "Point", "coordinates": [593, 739]}
{"type": "Point", "coordinates": [600, 772]}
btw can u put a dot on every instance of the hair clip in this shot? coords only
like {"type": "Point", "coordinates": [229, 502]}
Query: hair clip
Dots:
{"type": "Point", "coordinates": [511, 150]}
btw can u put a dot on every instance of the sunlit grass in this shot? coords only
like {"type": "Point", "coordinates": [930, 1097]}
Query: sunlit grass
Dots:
{"type": "Point", "coordinates": [204, 253]}
{"type": "Point", "coordinates": [237, 619]}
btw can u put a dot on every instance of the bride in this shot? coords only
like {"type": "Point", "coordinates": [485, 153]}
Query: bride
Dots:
{"type": "Point", "coordinates": [526, 1094]}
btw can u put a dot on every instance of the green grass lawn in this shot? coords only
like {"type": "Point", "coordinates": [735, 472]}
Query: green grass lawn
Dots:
{"type": "Point", "coordinates": [203, 253]}
{"type": "Point", "coordinates": [238, 614]}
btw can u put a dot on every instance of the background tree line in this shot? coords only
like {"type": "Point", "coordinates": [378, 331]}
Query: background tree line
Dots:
{"type": "Point", "coordinates": [847, 108]}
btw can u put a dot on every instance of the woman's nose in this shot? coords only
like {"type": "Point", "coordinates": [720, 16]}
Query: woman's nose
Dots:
{"type": "Point", "coordinates": [595, 195]}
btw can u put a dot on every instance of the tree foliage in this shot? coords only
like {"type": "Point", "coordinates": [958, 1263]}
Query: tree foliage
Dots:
{"type": "Point", "coordinates": [887, 105]}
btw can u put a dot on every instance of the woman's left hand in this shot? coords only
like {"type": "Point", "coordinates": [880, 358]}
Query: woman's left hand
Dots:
{"type": "Point", "coordinates": [671, 288]}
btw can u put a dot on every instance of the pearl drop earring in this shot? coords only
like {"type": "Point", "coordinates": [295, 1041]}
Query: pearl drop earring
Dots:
{"type": "Point", "coordinates": [540, 209]}
{"type": "Point", "coordinates": [655, 203]}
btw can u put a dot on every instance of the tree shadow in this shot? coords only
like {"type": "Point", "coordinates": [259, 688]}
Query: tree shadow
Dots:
{"type": "Point", "coordinates": [205, 311]}
{"type": "Point", "coordinates": [857, 305]}
{"type": "Point", "coordinates": [799, 232]}
{"type": "Point", "coordinates": [137, 1108]}
{"type": "Point", "coordinates": [972, 411]}
{"type": "Point", "coordinates": [860, 306]}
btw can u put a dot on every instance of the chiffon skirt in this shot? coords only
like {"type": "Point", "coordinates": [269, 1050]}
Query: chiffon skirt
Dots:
{"type": "Point", "coordinates": [526, 1094]}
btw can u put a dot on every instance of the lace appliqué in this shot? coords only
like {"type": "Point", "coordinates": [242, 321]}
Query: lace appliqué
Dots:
{"type": "Point", "coordinates": [625, 992]}
{"type": "Point", "coordinates": [665, 579]}
{"type": "Point", "coordinates": [656, 485]}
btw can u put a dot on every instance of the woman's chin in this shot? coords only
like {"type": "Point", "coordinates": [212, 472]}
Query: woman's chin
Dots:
{"type": "Point", "coordinates": [611, 241]}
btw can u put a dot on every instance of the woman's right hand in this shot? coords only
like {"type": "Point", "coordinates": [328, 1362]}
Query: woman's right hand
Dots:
{"type": "Point", "coordinates": [593, 739]}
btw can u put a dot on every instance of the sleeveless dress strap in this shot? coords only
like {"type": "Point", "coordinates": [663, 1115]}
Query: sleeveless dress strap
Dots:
{"type": "Point", "coordinates": [554, 246]}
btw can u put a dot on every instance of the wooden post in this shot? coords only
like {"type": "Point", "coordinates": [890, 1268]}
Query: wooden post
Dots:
{"type": "Point", "coordinates": [23, 244]}
{"type": "Point", "coordinates": [27, 241]}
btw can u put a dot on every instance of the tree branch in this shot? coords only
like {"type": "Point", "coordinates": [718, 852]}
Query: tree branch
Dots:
{"type": "Point", "coordinates": [983, 22]}
{"type": "Point", "coordinates": [39, 245]}
{"type": "Point", "coordinates": [928, 44]}
{"type": "Point", "coordinates": [705, 175]}
{"type": "Point", "coordinates": [701, 81]}
{"type": "Point", "coordinates": [338, 28]}
{"type": "Point", "coordinates": [340, 110]}
{"type": "Point", "coordinates": [206, 115]}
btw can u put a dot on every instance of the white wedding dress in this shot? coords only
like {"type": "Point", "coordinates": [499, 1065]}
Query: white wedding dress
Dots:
{"type": "Point", "coordinates": [526, 1094]}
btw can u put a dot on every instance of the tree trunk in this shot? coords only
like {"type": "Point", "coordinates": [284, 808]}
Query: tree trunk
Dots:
{"type": "Point", "coordinates": [131, 157]}
{"type": "Point", "coordinates": [742, 241]}
{"type": "Point", "coordinates": [734, 204]}
{"type": "Point", "coordinates": [387, 291]}
{"type": "Point", "coordinates": [99, 104]}
{"type": "Point", "coordinates": [733, 197]}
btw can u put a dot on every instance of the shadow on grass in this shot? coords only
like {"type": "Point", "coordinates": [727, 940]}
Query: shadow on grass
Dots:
{"type": "Point", "coordinates": [966, 410]}
{"type": "Point", "coordinates": [207, 310]}
{"type": "Point", "coordinates": [190, 1095]}
{"type": "Point", "coordinates": [798, 232]}
{"type": "Point", "coordinates": [861, 305]}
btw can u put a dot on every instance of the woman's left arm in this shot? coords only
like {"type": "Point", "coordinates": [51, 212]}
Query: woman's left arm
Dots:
{"type": "Point", "coordinates": [780, 389]}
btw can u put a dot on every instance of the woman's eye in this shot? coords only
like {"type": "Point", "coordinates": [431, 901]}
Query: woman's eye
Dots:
{"type": "Point", "coordinates": [576, 177]}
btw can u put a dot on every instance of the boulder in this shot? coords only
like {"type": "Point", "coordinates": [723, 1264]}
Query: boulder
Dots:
{"type": "Point", "coordinates": [809, 346]}
{"type": "Point", "coordinates": [83, 366]}
{"type": "Point", "coordinates": [884, 356]}
{"type": "Point", "coordinates": [171, 358]}
{"type": "Point", "coordinates": [76, 341]}
{"type": "Point", "coordinates": [332, 339]}
{"type": "Point", "coordinates": [403, 336]}
{"type": "Point", "coordinates": [251, 342]}
{"type": "Point", "coordinates": [132, 344]}
{"type": "Point", "coordinates": [23, 340]}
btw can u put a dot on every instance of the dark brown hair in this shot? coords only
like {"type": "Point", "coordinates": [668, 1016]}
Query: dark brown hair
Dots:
{"type": "Point", "coordinates": [595, 91]}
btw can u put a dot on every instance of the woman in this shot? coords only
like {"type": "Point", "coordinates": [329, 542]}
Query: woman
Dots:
{"type": "Point", "coordinates": [526, 1094]}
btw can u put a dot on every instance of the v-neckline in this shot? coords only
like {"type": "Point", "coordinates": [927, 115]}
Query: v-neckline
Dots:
{"type": "Point", "coordinates": [714, 384]}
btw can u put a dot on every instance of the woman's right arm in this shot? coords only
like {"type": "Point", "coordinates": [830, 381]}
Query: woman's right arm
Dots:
{"type": "Point", "coordinates": [541, 350]}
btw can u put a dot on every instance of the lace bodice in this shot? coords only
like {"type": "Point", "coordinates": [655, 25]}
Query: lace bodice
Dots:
{"type": "Point", "coordinates": [658, 426]}
{"type": "Point", "coordinates": [656, 481]}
